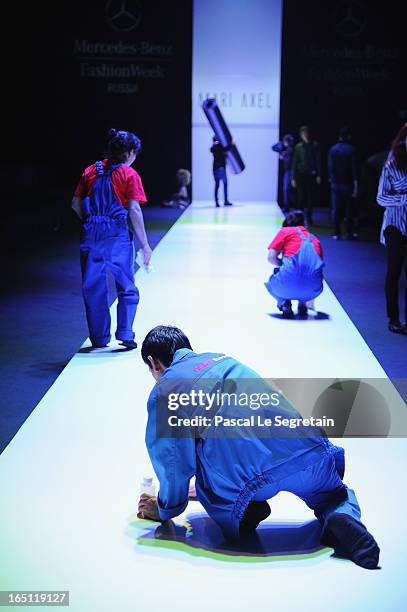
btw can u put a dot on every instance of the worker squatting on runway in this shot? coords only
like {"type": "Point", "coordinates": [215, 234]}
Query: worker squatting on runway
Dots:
{"type": "Point", "coordinates": [298, 272]}
{"type": "Point", "coordinates": [110, 192]}
{"type": "Point", "coordinates": [236, 474]}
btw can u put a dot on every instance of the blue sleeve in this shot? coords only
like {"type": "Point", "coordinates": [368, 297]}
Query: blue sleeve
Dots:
{"type": "Point", "coordinates": [174, 463]}
{"type": "Point", "coordinates": [318, 158]}
{"type": "Point", "coordinates": [278, 147]}
{"type": "Point", "coordinates": [354, 166]}
{"type": "Point", "coordinates": [330, 165]}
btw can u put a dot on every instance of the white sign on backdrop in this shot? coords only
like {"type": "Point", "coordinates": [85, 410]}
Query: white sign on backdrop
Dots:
{"type": "Point", "coordinates": [236, 58]}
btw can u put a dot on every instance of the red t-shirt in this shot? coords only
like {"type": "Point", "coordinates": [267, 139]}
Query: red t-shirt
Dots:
{"type": "Point", "coordinates": [288, 241]}
{"type": "Point", "coordinates": [126, 183]}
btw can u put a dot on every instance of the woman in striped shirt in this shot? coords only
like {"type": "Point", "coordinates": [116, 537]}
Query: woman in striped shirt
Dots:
{"type": "Point", "coordinates": [392, 195]}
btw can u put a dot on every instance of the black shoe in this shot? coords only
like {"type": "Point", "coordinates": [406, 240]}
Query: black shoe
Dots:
{"type": "Point", "coordinates": [129, 344]}
{"type": "Point", "coordinates": [228, 204]}
{"type": "Point", "coordinates": [398, 328]}
{"type": "Point", "coordinates": [351, 540]}
{"type": "Point", "coordinates": [254, 514]}
{"type": "Point", "coordinates": [287, 310]}
{"type": "Point", "coordinates": [217, 204]}
{"type": "Point", "coordinates": [302, 311]}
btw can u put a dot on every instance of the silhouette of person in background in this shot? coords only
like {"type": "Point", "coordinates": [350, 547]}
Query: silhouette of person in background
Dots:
{"type": "Point", "coordinates": [219, 169]}
{"type": "Point", "coordinates": [285, 149]}
{"type": "Point", "coordinates": [342, 177]}
{"type": "Point", "coordinates": [306, 171]}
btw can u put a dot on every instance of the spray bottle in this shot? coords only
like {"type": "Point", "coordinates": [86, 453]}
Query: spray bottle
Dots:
{"type": "Point", "coordinates": [147, 486]}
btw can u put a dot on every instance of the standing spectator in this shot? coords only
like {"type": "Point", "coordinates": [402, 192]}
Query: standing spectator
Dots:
{"type": "Point", "coordinates": [285, 149]}
{"type": "Point", "coordinates": [343, 182]}
{"type": "Point", "coordinates": [306, 170]}
{"type": "Point", "coordinates": [392, 194]}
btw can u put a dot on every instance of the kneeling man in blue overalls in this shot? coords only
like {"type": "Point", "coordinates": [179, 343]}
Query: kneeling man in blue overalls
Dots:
{"type": "Point", "coordinates": [237, 474]}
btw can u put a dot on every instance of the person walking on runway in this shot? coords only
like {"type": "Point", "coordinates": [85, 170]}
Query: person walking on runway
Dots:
{"type": "Point", "coordinates": [236, 473]}
{"type": "Point", "coordinates": [392, 195]}
{"type": "Point", "coordinates": [109, 192]}
{"type": "Point", "coordinates": [306, 171]}
{"type": "Point", "coordinates": [298, 274]}
{"type": "Point", "coordinates": [343, 181]}
{"type": "Point", "coordinates": [219, 169]}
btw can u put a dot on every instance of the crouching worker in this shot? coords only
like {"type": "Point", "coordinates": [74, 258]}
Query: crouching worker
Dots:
{"type": "Point", "coordinates": [110, 192]}
{"type": "Point", "coordinates": [236, 474]}
{"type": "Point", "coordinates": [298, 273]}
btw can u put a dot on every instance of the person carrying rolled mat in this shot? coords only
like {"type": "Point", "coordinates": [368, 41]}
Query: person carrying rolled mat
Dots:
{"type": "Point", "coordinates": [239, 470]}
{"type": "Point", "coordinates": [219, 169]}
{"type": "Point", "coordinates": [298, 274]}
{"type": "Point", "coordinates": [109, 192]}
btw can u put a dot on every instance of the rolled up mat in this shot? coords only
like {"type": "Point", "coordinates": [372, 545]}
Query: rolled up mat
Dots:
{"type": "Point", "coordinates": [222, 133]}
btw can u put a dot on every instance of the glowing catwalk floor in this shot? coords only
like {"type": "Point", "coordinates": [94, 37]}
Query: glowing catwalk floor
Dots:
{"type": "Point", "coordinates": [70, 478]}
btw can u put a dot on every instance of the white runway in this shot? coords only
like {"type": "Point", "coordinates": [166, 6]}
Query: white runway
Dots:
{"type": "Point", "coordinates": [69, 480]}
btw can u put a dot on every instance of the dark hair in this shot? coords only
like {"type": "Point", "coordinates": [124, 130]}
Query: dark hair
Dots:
{"type": "Point", "coordinates": [304, 128]}
{"type": "Point", "coordinates": [288, 137]}
{"type": "Point", "coordinates": [162, 342]}
{"type": "Point", "coordinates": [398, 148]}
{"type": "Point", "coordinates": [294, 218]}
{"type": "Point", "coordinates": [344, 133]}
{"type": "Point", "coordinates": [121, 143]}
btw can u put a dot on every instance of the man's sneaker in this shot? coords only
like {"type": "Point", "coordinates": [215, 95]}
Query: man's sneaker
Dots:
{"type": "Point", "coordinates": [228, 203]}
{"type": "Point", "coordinates": [129, 344]}
{"type": "Point", "coordinates": [254, 514]}
{"type": "Point", "coordinates": [351, 540]}
{"type": "Point", "coordinates": [287, 310]}
{"type": "Point", "coordinates": [302, 311]}
{"type": "Point", "coordinates": [217, 204]}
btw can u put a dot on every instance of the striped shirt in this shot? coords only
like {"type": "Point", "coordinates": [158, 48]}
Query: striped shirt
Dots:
{"type": "Point", "coordinates": [392, 194]}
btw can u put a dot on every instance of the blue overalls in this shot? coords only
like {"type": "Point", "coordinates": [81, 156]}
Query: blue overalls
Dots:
{"type": "Point", "coordinates": [300, 276]}
{"type": "Point", "coordinates": [107, 246]}
{"type": "Point", "coordinates": [232, 471]}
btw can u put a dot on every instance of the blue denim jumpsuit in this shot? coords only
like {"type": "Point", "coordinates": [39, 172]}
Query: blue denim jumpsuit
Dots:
{"type": "Point", "coordinates": [300, 276]}
{"type": "Point", "coordinates": [230, 472]}
{"type": "Point", "coordinates": [107, 246]}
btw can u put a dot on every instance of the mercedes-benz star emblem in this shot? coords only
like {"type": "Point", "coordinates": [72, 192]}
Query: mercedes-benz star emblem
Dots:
{"type": "Point", "coordinates": [349, 18]}
{"type": "Point", "coordinates": [123, 15]}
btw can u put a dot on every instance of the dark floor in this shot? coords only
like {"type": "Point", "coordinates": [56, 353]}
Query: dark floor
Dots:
{"type": "Point", "coordinates": [43, 321]}
{"type": "Point", "coordinates": [355, 271]}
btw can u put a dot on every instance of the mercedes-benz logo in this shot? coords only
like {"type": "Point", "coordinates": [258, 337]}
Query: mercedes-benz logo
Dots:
{"type": "Point", "coordinates": [349, 18]}
{"type": "Point", "coordinates": [123, 15]}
